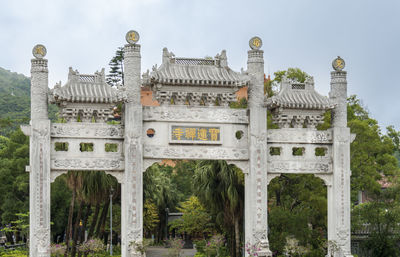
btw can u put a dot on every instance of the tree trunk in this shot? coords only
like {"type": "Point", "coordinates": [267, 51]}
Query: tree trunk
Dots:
{"type": "Point", "coordinates": [103, 216]}
{"type": "Point", "coordinates": [82, 234]}
{"type": "Point", "coordinates": [76, 229]}
{"type": "Point", "coordinates": [94, 221]}
{"type": "Point", "coordinates": [70, 214]}
{"type": "Point", "coordinates": [237, 235]}
{"type": "Point", "coordinates": [103, 223]}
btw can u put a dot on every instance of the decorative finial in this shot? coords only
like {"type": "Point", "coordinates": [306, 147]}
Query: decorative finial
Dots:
{"type": "Point", "coordinates": [39, 51]}
{"type": "Point", "coordinates": [132, 37]}
{"type": "Point", "coordinates": [338, 64]}
{"type": "Point", "coordinates": [255, 43]}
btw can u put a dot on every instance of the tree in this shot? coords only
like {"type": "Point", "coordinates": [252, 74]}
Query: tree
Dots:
{"type": "Point", "coordinates": [381, 217]}
{"type": "Point", "coordinates": [150, 217]}
{"type": "Point", "coordinates": [220, 187]}
{"type": "Point", "coordinates": [195, 220]}
{"type": "Point", "coordinates": [116, 73]}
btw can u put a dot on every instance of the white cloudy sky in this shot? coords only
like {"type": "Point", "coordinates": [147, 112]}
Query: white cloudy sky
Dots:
{"type": "Point", "coordinates": [307, 34]}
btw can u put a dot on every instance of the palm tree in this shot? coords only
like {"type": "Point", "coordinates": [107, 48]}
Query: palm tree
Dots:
{"type": "Point", "coordinates": [158, 187]}
{"type": "Point", "coordinates": [220, 187]}
{"type": "Point", "coordinates": [74, 181]}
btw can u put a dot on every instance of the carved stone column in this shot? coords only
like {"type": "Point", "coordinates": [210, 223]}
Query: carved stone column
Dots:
{"type": "Point", "coordinates": [256, 201]}
{"type": "Point", "coordinates": [339, 196]}
{"type": "Point", "coordinates": [39, 158]}
{"type": "Point", "coordinates": [132, 186]}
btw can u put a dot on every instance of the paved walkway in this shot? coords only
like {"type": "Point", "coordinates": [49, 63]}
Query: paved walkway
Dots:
{"type": "Point", "coordinates": [161, 251]}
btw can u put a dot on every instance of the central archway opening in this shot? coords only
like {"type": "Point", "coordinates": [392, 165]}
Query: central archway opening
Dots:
{"type": "Point", "coordinates": [297, 215]}
{"type": "Point", "coordinates": [200, 203]}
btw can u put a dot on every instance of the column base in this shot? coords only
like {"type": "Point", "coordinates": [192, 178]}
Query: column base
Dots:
{"type": "Point", "coordinates": [265, 251]}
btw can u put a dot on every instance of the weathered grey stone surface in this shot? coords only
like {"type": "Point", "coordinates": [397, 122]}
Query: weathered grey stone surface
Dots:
{"type": "Point", "coordinates": [194, 95]}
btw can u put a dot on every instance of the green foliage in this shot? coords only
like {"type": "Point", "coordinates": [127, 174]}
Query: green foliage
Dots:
{"type": "Point", "coordinates": [298, 208]}
{"type": "Point", "coordinates": [176, 247]}
{"type": "Point", "coordinates": [291, 73]}
{"type": "Point", "coordinates": [195, 220]}
{"type": "Point", "coordinates": [215, 247]}
{"type": "Point", "coordinates": [14, 253]}
{"type": "Point", "coordinates": [372, 154]}
{"type": "Point", "coordinates": [116, 73]}
{"type": "Point", "coordinates": [92, 246]}
{"type": "Point", "coordinates": [150, 216]}
{"type": "Point", "coordinates": [14, 187]}
{"type": "Point", "coordinates": [381, 217]}
{"type": "Point", "coordinates": [220, 188]}
{"type": "Point", "coordinates": [241, 104]}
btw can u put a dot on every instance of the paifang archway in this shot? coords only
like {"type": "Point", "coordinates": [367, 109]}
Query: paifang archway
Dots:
{"type": "Point", "coordinates": [193, 121]}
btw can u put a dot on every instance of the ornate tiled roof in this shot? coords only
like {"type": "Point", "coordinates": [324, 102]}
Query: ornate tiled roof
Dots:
{"type": "Point", "coordinates": [86, 89]}
{"type": "Point", "coordinates": [192, 71]}
{"type": "Point", "coordinates": [295, 95]}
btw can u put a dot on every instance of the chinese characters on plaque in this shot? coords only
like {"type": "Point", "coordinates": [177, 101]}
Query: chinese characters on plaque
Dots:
{"type": "Point", "coordinates": [194, 134]}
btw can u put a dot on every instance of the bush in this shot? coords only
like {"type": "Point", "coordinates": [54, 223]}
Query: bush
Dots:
{"type": "Point", "coordinates": [92, 246]}
{"type": "Point", "coordinates": [176, 247]}
{"type": "Point", "coordinates": [57, 250]}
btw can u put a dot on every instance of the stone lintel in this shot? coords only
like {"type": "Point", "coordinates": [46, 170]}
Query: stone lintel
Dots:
{"type": "Point", "coordinates": [195, 114]}
{"type": "Point", "coordinates": [299, 135]}
{"type": "Point", "coordinates": [98, 164]}
{"type": "Point", "coordinates": [195, 152]}
{"type": "Point", "coordinates": [323, 166]}
{"type": "Point", "coordinates": [88, 130]}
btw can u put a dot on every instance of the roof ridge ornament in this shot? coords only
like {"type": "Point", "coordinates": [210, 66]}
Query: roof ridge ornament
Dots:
{"type": "Point", "coordinates": [338, 64]}
{"type": "Point", "coordinates": [132, 37]}
{"type": "Point", "coordinates": [39, 51]}
{"type": "Point", "coordinates": [255, 43]}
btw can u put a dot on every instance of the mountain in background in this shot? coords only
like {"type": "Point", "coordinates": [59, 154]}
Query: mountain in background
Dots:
{"type": "Point", "coordinates": [14, 96]}
{"type": "Point", "coordinates": [15, 101]}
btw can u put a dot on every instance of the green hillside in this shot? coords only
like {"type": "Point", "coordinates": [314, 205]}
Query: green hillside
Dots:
{"type": "Point", "coordinates": [15, 101]}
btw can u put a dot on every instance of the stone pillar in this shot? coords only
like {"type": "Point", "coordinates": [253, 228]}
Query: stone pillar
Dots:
{"type": "Point", "coordinates": [39, 158]}
{"type": "Point", "coordinates": [132, 186]}
{"type": "Point", "coordinates": [339, 233]}
{"type": "Point", "coordinates": [256, 201]}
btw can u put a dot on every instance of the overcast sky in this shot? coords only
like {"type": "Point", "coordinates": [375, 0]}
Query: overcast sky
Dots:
{"type": "Point", "coordinates": [307, 34]}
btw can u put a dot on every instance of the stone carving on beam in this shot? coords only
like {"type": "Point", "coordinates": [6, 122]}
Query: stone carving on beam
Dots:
{"type": "Point", "coordinates": [327, 178]}
{"type": "Point", "coordinates": [87, 164]}
{"type": "Point", "coordinates": [87, 130]}
{"type": "Point", "coordinates": [270, 177]}
{"type": "Point", "coordinates": [292, 135]}
{"type": "Point", "coordinates": [119, 175]}
{"type": "Point", "coordinates": [299, 166]}
{"type": "Point", "coordinates": [148, 162]}
{"type": "Point", "coordinates": [243, 165]}
{"type": "Point", "coordinates": [195, 152]}
{"type": "Point", "coordinates": [55, 174]}
{"type": "Point", "coordinates": [195, 114]}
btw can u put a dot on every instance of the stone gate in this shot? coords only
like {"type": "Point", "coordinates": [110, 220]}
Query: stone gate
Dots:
{"type": "Point", "coordinates": [194, 122]}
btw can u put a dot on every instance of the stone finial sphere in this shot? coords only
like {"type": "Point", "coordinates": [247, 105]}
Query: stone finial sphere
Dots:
{"type": "Point", "coordinates": [132, 37]}
{"type": "Point", "coordinates": [255, 43]}
{"type": "Point", "coordinates": [39, 51]}
{"type": "Point", "coordinates": [338, 64]}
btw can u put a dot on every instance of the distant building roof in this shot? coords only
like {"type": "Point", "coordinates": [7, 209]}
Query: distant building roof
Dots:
{"type": "Point", "coordinates": [195, 71]}
{"type": "Point", "coordinates": [295, 95]}
{"type": "Point", "coordinates": [86, 88]}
